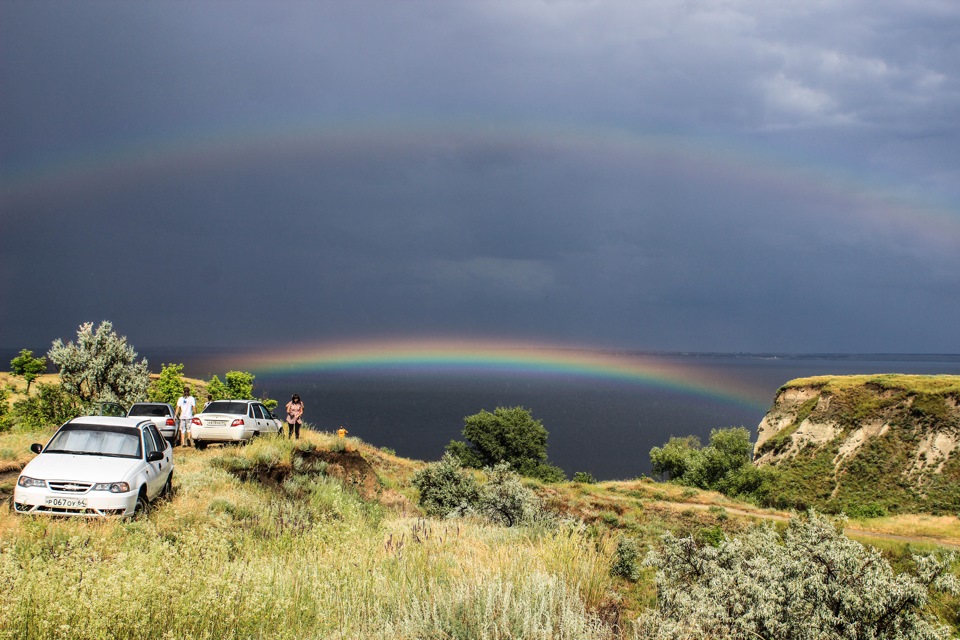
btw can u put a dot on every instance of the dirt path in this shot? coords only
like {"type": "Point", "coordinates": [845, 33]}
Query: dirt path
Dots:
{"type": "Point", "coordinates": [856, 531]}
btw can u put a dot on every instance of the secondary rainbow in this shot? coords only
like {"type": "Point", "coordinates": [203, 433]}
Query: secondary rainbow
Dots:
{"type": "Point", "coordinates": [146, 160]}
{"type": "Point", "coordinates": [493, 357]}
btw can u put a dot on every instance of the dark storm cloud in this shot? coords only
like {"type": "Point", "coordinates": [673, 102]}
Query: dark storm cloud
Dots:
{"type": "Point", "coordinates": [704, 176]}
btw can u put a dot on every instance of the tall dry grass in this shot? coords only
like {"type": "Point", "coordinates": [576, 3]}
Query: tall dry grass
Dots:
{"type": "Point", "coordinates": [231, 559]}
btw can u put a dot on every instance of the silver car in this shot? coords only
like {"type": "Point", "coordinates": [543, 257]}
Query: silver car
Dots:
{"type": "Point", "coordinates": [161, 414]}
{"type": "Point", "coordinates": [233, 421]}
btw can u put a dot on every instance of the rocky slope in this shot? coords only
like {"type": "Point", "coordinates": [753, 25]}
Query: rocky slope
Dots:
{"type": "Point", "coordinates": [886, 443]}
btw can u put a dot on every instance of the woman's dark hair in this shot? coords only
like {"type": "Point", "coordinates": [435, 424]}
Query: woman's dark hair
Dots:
{"type": "Point", "coordinates": [295, 398]}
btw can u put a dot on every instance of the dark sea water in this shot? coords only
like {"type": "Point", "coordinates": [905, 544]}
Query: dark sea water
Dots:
{"type": "Point", "coordinates": [602, 426]}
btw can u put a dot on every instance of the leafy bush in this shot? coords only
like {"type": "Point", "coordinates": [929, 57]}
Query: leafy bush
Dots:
{"type": "Point", "coordinates": [863, 511]}
{"type": "Point", "coordinates": [503, 499]}
{"type": "Point", "coordinates": [51, 406]}
{"type": "Point", "coordinates": [506, 435]}
{"type": "Point", "coordinates": [4, 409]}
{"type": "Point", "coordinates": [445, 489]}
{"type": "Point", "coordinates": [811, 582]}
{"type": "Point", "coordinates": [168, 387]}
{"type": "Point", "coordinates": [584, 477]}
{"type": "Point", "coordinates": [724, 465]}
{"type": "Point", "coordinates": [100, 366]}
{"type": "Point", "coordinates": [676, 457]}
{"type": "Point", "coordinates": [238, 386]}
{"type": "Point", "coordinates": [626, 560]}
{"type": "Point", "coordinates": [217, 390]}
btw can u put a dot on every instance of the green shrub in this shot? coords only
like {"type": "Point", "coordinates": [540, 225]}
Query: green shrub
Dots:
{"type": "Point", "coordinates": [168, 386]}
{"type": "Point", "coordinates": [863, 511]}
{"type": "Point", "coordinates": [713, 536]}
{"type": "Point", "coordinates": [445, 488]}
{"type": "Point", "coordinates": [676, 457]}
{"type": "Point", "coordinates": [503, 499]}
{"type": "Point", "coordinates": [584, 477]}
{"type": "Point", "coordinates": [51, 406]}
{"type": "Point", "coordinates": [626, 560]}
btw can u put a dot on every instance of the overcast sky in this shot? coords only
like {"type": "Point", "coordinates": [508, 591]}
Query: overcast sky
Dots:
{"type": "Point", "coordinates": [738, 175]}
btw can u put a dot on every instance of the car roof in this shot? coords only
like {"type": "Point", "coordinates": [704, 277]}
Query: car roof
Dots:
{"type": "Point", "coordinates": [159, 404]}
{"type": "Point", "coordinates": [230, 400]}
{"type": "Point", "coordinates": [109, 421]}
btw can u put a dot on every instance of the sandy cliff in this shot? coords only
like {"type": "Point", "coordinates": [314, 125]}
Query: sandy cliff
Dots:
{"type": "Point", "coordinates": [888, 439]}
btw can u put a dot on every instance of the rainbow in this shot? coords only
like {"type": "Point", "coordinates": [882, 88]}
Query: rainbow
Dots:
{"type": "Point", "coordinates": [493, 357]}
{"type": "Point", "coordinates": [146, 160]}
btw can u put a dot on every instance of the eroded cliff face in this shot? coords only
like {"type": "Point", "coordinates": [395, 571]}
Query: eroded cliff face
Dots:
{"type": "Point", "coordinates": [856, 438]}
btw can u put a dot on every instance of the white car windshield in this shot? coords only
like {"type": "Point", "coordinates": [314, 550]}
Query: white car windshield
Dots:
{"type": "Point", "coordinates": [96, 440]}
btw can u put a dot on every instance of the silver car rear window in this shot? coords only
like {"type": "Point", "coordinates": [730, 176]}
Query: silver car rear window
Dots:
{"type": "Point", "coordinates": [226, 406]}
{"type": "Point", "coordinates": [149, 410]}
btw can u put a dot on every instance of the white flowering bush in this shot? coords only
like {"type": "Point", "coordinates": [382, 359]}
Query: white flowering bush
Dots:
{"type": "Point", "coordinates": [810, 583]}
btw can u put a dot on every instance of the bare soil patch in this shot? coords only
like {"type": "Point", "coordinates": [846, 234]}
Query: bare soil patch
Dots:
{"type": "Point", "coordinates": [351, 468]}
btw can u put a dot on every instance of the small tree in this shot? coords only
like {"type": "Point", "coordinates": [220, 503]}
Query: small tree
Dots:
{"type": "Point", "coordinates": [240, 385]}
{"type": "Point", "coordinates": [675, 458]}
{"type": "Point", "coordinates": [217, 390]}
{"type": "Point", "coordinates": [810, 583]}
{"type": "Point", "coordinates": [28, 367]}
{"type": "Point", "coordinates": [506, 435]}
{"type": "Point", "coordinates": [169, 386]}
{"type": "Point", "coordinates": [101, 366]}
{"type": "Point", "coordinates": [729, 450]}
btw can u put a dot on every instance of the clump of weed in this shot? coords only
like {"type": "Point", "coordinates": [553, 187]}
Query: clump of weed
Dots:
{"type": "Point", "coordinates": [626, 560]}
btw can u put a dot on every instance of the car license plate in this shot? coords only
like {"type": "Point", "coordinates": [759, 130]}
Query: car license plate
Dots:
{"type": "Point", "coordinates": [217, 423]}
{"type": "Point", "coordinates": [75, 503]}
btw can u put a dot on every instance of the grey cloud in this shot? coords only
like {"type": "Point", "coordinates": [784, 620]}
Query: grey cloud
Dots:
{"type": "Point", "coordinates": [427, 194]}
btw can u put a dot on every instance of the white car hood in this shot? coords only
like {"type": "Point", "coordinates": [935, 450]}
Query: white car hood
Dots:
{"type": "Point", "coordinates": [61, 466]}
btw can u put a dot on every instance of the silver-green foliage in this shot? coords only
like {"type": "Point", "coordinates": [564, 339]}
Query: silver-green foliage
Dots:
{"type": "Point", "coordinates": [504, 500]}
{"type": "Point", "coordinates": [810, 583]}
{"type": "Point", "coordinates": [446, 490]}
{"type": "Point", "coordinates": [100, 366]}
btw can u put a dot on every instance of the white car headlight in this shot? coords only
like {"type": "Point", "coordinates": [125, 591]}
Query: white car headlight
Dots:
{"type": "Point", "coordinates": [112, 487]}
{"type": "Point", "coordinates": [27, 482]}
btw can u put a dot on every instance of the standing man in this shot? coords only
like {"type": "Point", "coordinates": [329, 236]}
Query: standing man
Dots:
{"type": "Point", "coordinates": [185, 406]}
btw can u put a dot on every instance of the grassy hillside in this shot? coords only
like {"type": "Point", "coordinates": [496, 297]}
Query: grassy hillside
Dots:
{"type": "Point", "coordinates": [884, 443]}
{"type": "Point", "coordinates": [323, 538]}
{"type": "Point", "coordinates": [286, 539]}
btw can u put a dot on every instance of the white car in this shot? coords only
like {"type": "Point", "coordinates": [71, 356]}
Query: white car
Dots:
{"type": "Point", "coordinates": [232, 421]}
{"type": "Point", "coordinates": [160, 413]}
{"type": "Point", "coordinates": [96, 466]}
